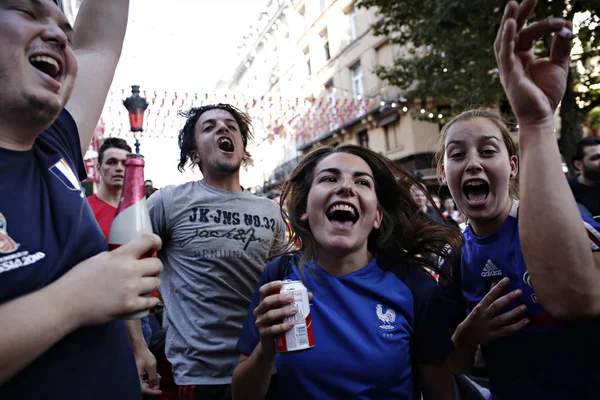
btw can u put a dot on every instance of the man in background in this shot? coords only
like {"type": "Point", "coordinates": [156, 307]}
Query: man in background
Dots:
{"type": "Point", "coordinates": [149, 187]}
{"type": "Point", "coordinates": [111, 164]}
{"type": "Point", "coordinates": [586, 186]}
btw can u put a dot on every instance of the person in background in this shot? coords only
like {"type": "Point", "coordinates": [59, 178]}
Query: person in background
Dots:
{"type": "Point", "coordinates": [61, 292]}
{"type": "Point", "coordinates": [436, 201]}
{"type": "Point", "coordinates": [449, 209]}
{"type": "Point", "coordinates": [150, 189]}
{"type": "Point", "coordinates": [529, 270]}
{"type": "Point", "coordinates": [111, 164]}
{"type": "Point", "coordinates": [586, 186]}
{"type": "Point", "coordinates": [418, 195]}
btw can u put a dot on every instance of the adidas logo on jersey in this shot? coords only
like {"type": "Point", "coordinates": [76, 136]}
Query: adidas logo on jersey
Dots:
{"type": "Point", "coordinates": [490, 270]}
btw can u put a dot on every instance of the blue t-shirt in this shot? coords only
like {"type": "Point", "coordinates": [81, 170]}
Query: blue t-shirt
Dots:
{"type": "Point", "coordinates": [46, 228]}
{"type": "Point", "coordinates": [549, 359]}
{"type": "Point", "coordinates": [365, 334]}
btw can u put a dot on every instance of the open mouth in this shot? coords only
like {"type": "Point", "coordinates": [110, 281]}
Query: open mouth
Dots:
{"type": "Point", "coordinates": [476, 191]}
{"type": "Point", "coordinates": [47, 65]}
{"type": "Point", "coordinates": [342, 215]}
{"type": "Point", "coordinates": [225, 144]}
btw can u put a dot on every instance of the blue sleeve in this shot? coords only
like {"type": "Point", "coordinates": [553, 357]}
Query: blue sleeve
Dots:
{"type": "Point", "coordinates": [64, 135]}
{"type": "Point", "coordinates": [593, 230]}
{"type": "Point", "coordinates": [249, 337]}
{"type": "Point", "coordinates": [433, 318]}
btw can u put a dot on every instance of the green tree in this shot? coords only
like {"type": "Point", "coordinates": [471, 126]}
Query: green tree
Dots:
{"type": "Point", "coordinates": [449, 54]}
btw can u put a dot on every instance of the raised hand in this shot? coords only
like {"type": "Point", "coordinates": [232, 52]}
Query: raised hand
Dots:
{"type": "Point", "coordinates": [113, 284]}
{"type": "Point", "coordinates": [484, 324]}
{"type": "Point", "coordinates": [533, 86]}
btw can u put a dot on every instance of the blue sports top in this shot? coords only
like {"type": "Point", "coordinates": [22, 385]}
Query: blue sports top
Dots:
{"type": "Point", "coordinates": [549, 359]}
{"type": "Point", "coordinates": [46, 228]}
{"type": "Point", "coordinates": [365, 333]}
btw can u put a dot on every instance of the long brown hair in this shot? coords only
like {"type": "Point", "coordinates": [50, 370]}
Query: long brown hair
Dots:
{"type": "Point", "coordinates": [502, 126]}
{"type": "Point", "coordinates": [405, 234]}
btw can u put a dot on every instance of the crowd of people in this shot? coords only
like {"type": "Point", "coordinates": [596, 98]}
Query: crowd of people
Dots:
{"type": "Point", "coordinates": [405, 289]}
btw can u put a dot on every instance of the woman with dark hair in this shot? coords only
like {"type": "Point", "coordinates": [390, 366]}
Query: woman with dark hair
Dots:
{"type": "Point", "coordinates": [379, 319]}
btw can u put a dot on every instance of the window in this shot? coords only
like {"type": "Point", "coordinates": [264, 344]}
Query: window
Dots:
{"type": "Point", "coordinates": [302, 12]}
{"type": "Point", "coordinates": [328, 86]}
{"type": "Point", "coordinates": [357, 83]}
{"type": "Point", "coordinates": [330, 92]}
{"type": "Point", "coordinates": [307, 56]}
{"type": "Point", "coordinates": [325, 39]}
{"type": "Point", "coordinates": [321, 5]}
{"type": "Point", "coordinates": [352, 18]}
{"type": "Point", "coordinates": [363, 138]}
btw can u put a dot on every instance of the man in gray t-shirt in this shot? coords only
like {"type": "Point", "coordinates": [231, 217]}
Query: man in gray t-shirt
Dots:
{"type": "Point", "coordinates": [216, 240]}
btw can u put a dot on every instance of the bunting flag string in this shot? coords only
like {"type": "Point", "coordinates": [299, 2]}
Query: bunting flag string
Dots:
{"type": "Point", "coordinates": [272, 116]}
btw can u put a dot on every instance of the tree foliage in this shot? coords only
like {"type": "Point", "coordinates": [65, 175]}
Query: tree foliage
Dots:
{"type": "Point", "coordinates": [448, 54]}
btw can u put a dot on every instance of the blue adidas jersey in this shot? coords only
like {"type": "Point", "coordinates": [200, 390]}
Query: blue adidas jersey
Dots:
{"type": "Point", "coordinates": [46, 228]}
{"type": "Point", "coordinates": [365, 334]}
{"type": "Point", "coordinates": [549, 359]}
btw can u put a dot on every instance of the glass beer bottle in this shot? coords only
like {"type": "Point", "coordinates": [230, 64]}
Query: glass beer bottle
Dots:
{"type": "Point", "coordinates": [132, 218]}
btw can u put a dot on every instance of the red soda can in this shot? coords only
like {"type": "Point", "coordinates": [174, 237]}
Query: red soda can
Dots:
{"type": "Point", "coordinates": [132, 218]}
{"type": "Point", "coordinates": [300, 337]}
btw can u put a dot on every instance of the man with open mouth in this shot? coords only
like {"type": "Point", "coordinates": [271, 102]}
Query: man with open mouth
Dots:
{"type": "Point", "coordinates": [217, 238]}
{"type": "Point", "coordinates": [60, 291]}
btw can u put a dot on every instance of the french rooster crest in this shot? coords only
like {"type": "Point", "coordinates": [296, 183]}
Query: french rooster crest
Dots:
{"type": "Point", "coordinates": [388, 317]}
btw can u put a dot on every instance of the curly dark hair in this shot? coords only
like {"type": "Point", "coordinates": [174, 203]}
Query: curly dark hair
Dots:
{"type": "Point", "coordinates": [405, 234]}
{"type": "Point", "coordinates": [187, 135]}
{"type": "Point", "coordinates": [110, 143]}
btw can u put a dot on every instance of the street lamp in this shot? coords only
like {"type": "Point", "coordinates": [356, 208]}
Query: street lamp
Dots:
{"type": "Point", "coordinates": [136, 105]}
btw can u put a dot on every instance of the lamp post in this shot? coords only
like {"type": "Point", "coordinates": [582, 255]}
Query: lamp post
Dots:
{"type": "Point", "coordinates": [136, 105]}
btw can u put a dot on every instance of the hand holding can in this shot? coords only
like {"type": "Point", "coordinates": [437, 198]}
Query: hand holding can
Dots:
{"type": "Point", "coordinates": [300, 337]}
{"type": "Point", "coordinates": [275, 314]}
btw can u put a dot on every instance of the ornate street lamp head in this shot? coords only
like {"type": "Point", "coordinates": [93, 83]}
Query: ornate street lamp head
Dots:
{"type": "Point", "coordinates": [136, 105]}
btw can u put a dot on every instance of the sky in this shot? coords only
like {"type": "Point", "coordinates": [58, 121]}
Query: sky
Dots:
{"type": "Point", "coordinates": [180, 45]}
{"type": "Point", "coordinates": [183, 44]}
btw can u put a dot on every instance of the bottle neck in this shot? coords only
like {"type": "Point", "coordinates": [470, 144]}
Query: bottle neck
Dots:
{"type": "Point", "coordinates": [133, 186]}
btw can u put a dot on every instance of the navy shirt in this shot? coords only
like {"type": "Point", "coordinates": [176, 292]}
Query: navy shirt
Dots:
{"type": "Point", "coordinates": [46, 228]}
{"type": "Point", "coordinates": [587, 195]}
{"type": "Point", "coordinates": [366, 336]}
{"type": "Point", "coordinates": [549, 359]}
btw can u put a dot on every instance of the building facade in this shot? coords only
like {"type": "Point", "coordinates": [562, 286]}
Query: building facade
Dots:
{"type": "Point", "coordinates": [322, 54]}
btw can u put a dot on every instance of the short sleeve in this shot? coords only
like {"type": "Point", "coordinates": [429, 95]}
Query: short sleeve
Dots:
{"type": "Point", "coordinates": [158, 214]}
{"type": "Point", "coordinates": [64, 134]}
{"type": "Point", "coordinates": [593, 230]}
{"type": "Point", "coordinates": [249, 337]}
{"type": "Point", "coordinates": [433, 318]}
